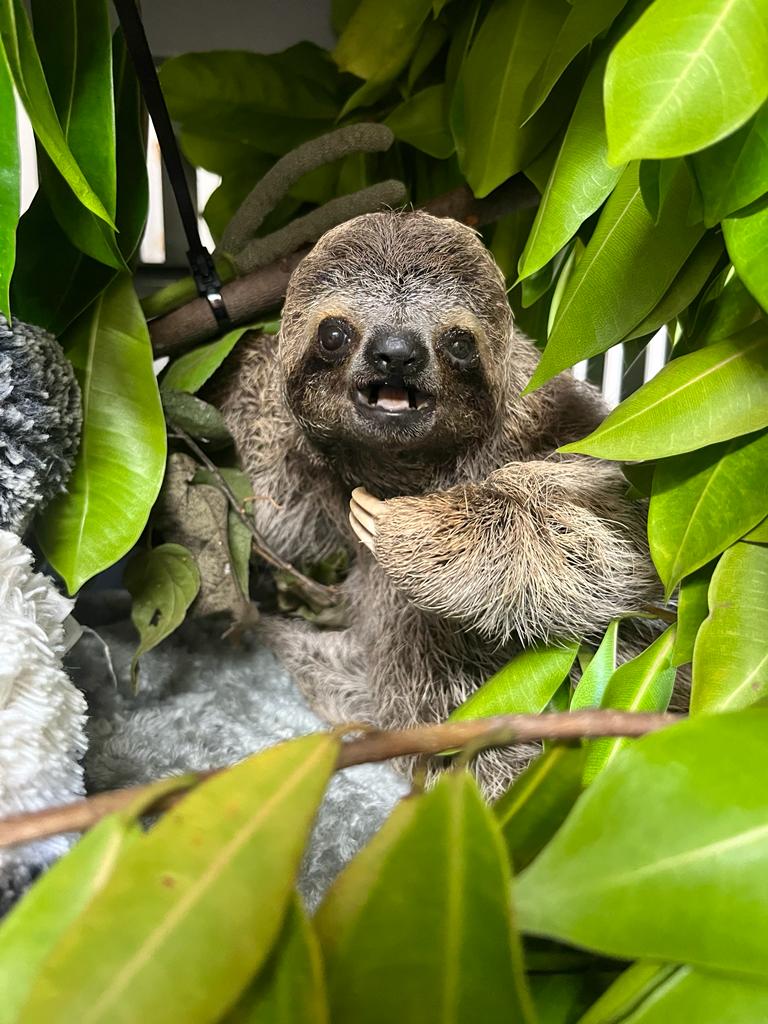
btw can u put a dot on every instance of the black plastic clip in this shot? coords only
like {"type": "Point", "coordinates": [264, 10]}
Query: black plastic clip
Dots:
{"type": "Point", "coordinates": [208, 283]}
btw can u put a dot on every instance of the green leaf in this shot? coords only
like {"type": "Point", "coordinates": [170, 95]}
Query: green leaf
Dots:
{"type": "Point", "coordinates": [703, 501]}
{"type": "Point", "coordinates": [74, 40]}
{"type": "Point", "coordinates": [190, 371]}
{"type": "Point", "coordinates": [627, 267]}
{"type": "Point", "coordinates": [200, 900]}
{"type": "Point", "coordinates": [643, 684]}
{"type": "Point", "coordinates": [745, 234]}
{"type": "Point", "coordinates": [705, 998]}
{"type": "Point", "coordinates": [730, 659]}
{"type": "Point", "coordinates": [525, 685]}
{"type": "Point", "coordinates": [628, 991]}
{"type": "Point", "coordinates": [684, 289]}
{"type": "Point", "coordinates": [433, 37]}
{"type": "Point", "coordinates": [10, 184]}
{"type": "Point", "coordinates": [422, 121]}
{"type": "Point", "coordinates": [54, 282]}
{"type": "Point", "coordinates": [759, 535]}
{"type": "Point", "coordinates": [734, 173]}
{"type": "Point", "coordinates": [163, 583]}
{"type": "Point", "coordinates": [692, 609]}
{"type": "Point", "coordinates": [538, 802]}
{"type": "Point", "coordinates": [38, 922]}
{"type": "Point", "coordinates": [584, 22]}
{"type": "Point", "coordinates": [290, 988]}
{"type": "Point", "coordinates": [581, 178]}
{"type": "Point", "coordinates": [120, 465]}
{"type": "Point", "coordinates": [656, 176]}
{"type": "Point", "coordinates": [510, 45]}
{"type": "Point", "coordinates": [377, 42]}
{"type": "Point", "coordinates": [272, 102]}
{"type": "Point", "coordinates": [691, 848]}
{"type": "Point", "coordinates": [688, 73]}
{"type": "Point", "coordinates": [199, 419]}
{"type": "Point", "coordinates": [730, 311]}
{"type": "Point", "coordinates": [590, 689]}
{"type": "Point", "coordinates": [710, 395]}
{"type": "Point", "coordinates": [29, 79]}
{"type": "Point", "coordinates": [417, 924]}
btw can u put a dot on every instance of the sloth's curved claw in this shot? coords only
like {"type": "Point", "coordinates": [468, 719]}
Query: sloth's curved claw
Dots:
{"type": "Point", "coordinates": [364, 510]}
{"type": "Point", "coordinates": [373, 506]}
{"type": "Point", "coordinates": [361, 533]}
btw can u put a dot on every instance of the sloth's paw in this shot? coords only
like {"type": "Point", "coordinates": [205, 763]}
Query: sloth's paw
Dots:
{"type": "Point", "coordinates": [365, 515]}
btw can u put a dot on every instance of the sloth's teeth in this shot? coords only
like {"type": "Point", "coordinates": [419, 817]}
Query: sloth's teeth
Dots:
{"type": "Point", "coordinates": [392, 399]}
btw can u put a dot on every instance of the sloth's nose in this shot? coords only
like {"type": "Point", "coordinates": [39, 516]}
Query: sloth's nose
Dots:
{"type": "Point", "coordinates": [397, 352]}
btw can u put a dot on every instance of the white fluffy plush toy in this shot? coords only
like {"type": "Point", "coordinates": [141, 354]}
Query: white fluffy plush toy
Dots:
{"type": "Point", "coordinates": [42, 715]}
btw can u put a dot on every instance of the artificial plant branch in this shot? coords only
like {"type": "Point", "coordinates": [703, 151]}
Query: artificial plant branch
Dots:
{"type": "Point", "coordinates": [317, 593]}
{"type": "Point", "coordinates": [502, 730]}
{"type": "Point", "coordinates": [248, 296]}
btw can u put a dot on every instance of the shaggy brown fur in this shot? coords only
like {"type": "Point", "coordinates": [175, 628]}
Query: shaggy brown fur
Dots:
{"type": "Point", "coordinates": [489, 540]}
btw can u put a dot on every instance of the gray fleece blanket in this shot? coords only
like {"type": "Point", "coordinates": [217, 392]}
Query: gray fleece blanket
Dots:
{"type": "Point", "coordinates": [204, 702]}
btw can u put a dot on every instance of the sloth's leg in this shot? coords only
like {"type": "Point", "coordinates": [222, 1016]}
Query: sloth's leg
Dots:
{"type": "Point", "coordinates": [537, 551]}
{"type": "Point", "coordinates": [327, 665]}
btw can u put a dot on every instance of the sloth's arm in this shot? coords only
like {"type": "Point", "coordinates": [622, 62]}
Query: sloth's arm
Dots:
{"type": "Point", "coordinates": [539, 550]}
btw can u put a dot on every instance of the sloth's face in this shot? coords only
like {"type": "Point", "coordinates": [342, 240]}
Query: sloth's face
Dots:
{"type": "Point", "coordinates": [385, 342]}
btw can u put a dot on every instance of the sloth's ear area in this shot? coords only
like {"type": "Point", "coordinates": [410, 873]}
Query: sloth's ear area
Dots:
{"type": "Point", "coordinates": [364, 511]}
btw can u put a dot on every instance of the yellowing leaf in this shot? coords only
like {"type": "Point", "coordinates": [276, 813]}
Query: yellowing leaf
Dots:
{"type": "Point", "coordinates": [198, 902]}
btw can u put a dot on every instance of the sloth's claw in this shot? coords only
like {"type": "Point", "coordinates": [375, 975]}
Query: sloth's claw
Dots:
{"type": "Point", "coordinates": [360, 532]}
{"type": "Point", "coordinates": [366, 501]}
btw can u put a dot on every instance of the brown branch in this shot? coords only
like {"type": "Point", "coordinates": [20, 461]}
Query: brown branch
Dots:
{"type": "Point", "coordinates": [318, 593]}
{"type": "Point", "coordinates": [502, 730]}
{"type": "Point", "coordinates": [263, 289]}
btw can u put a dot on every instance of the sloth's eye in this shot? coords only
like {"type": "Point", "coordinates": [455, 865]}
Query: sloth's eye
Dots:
{"type": "Point", "coordinates": [333, 334]}
{"type": "Point", "coordinates": [460, 345]}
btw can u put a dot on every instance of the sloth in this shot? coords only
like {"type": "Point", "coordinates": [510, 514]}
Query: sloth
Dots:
{"type": "Point", "coordinates": [388, 422]}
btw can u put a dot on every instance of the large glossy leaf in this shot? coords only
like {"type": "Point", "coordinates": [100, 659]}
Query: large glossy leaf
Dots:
{"type": "Point", "coordinates": [38, 922]}
{"type": "Point", "coordinates": [585, 20]}
{"type": "Point", "coordinates": [437, 873]}
{"type": "Point", "coordinates": [703, 501]}
{"type": "Point", "coordinates": [509, 47]}
{"type": "Point", "coordinates": [734, 173]}
{"type": "Point", "coordinates": [53, 281]}
{"type": "Point", "coordinates": [163, 582]}
{"type": "Point", "coordinates": [120, 464]}
{"type": "Point", "coordinates": [526, 684]}
{"type": "Point", "coordinates": [627, 267]}
{"type": "Point", "coordinates": [29, 79]}
{"type": "Point", "coordinates": [692, 609]}
{"type": "Point", "coordinates": [730, 659]}
{"type": "Point", "coordinates": [290, 989]}
{"type": "Point", "coordinates": [745, 234]}
{"type": "Point", "coordinates": [422, 121]}
{"type": "Point", "coordinates": [539, 801]}
{"type": "Point", "coordinates": [590, 689]}
{"type": "Point", "coordinates": [684, 289]}
{"type": "Point", "coordinates": [760, 533]}
{"type": "Point", "coordinates": [10, 187]}
{"type": "Point", "coordinates": [643, 684]}
{"type": "Point", "coordinates": [692, 849]}
{"type": "Point", "coordinates": [580, 180]}
{"type": "Point", "coordinates": [271, 101]}
{"type": "Point", "coordinates": [200, 900]}
{"type": "Point", "coordinates": [688, 73]}
{"type": "Point", "coordinates": [75, 45]}
{"type": "Point", "coordinates": [377, 42]}
{"type": "Point", "coordinates": [711, 395]}
{"type": "Point", "coordinates": [726, 311]}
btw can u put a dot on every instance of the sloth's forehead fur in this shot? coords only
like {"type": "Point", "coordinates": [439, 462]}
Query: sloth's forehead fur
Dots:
{"type": "Point", "coordinates": [400, 268]}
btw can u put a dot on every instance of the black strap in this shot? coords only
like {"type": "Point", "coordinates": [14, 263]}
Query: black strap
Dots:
{"type": "Point", "coordinates": [200, 260]}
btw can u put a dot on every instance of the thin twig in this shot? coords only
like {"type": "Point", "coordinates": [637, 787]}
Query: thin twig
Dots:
{"type": "Point", "coordinates": [665, 614]}
{"type": "Point", "coordinates": [502, 730]}
{"type": "Point", "coordinates": [322, 596]}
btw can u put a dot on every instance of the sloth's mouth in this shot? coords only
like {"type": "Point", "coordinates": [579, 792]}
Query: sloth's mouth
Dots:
{"type": "Point", "coordinates": [393, 400]}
